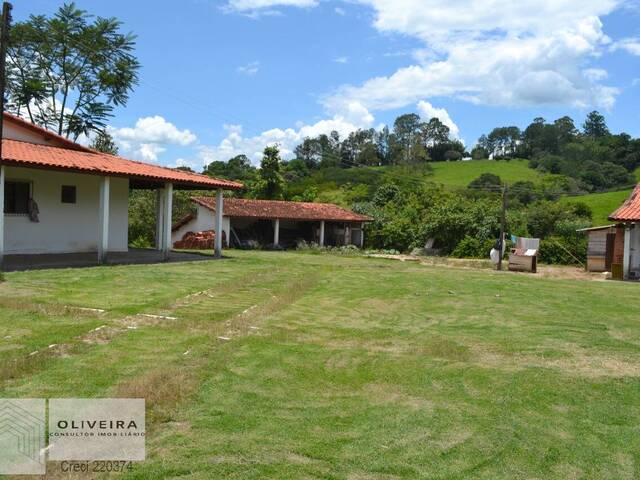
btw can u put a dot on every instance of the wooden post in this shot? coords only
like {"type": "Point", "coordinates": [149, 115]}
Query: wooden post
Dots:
{"type": "Point", "coordinates": [276, 232]}
{"type": "Point", "coordinates": [159, 219]}
{"type": "Point", "coordinates": [103, 225]}
{"type": "Point", "coordinates": [166, 217]}
{"type": "Point", "coordinates": [4, 38]}
{"type": "Point", "coordinates": [362, 235]}
{"type": "Point", "coordinates": [322, 233]}
{"type": "Point", "coordinates": [626, 261]}
{"type": "Point", "coordinates": [503, 225]}
{"type": "Point", "coordinates": [218, 224]}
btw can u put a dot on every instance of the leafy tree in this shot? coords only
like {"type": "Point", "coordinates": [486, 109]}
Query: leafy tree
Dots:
{"type": "Point", "coordinates": [237, 168]}
{"type": "Point", "coordinates": [103, 142]}
{"type": "Point", "coordinates": [69, 71]}
{"type": "Point", "coordinates": [487, 181]}
{"type": "Point", "coordinates": [595, 126]}
{"type": "Point", "coordinates": [270, 184]}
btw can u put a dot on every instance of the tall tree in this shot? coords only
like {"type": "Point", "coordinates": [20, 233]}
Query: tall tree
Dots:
{"type": "Point", "coordinates": [69, 71]}
{"type": "Point", "coordinates": [595, 126]}
{"type": "Point", "coordinates": [271, 184]}
{"type": "Point", "coordinates": [104, 143]}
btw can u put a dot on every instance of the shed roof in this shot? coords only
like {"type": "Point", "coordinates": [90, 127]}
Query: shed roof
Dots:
{"type": "Point", "coordinates": [630, 209]}
{"type": "Point", "coordinates": [277, 209]}
{"type": "Point", "coordinates": [77, 158]}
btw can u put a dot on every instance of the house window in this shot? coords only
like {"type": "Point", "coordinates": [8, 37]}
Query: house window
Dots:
{"type": "Point", "coordinates": [16, 197]}
{"type": "Point", "coordinates": [68, 194]}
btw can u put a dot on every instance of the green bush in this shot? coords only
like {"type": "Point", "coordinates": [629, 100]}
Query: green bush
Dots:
{"type": "Point", "coordinates": [471, 247]}
{"type": "Point", "coordinates": [563, 251]}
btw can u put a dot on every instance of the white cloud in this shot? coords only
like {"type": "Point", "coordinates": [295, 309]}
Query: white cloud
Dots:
{"type": "Point", "coordinates": [235, 143]}
{"type": "Point", "coordinates": [256, 8]}
{"type": "Point", "coordinates": [493, 52]}
{"type": "Point", "coordinates": [629, 45]}
{"type": "Point", "coordinates": [250, 69]}
{"type": "Point", "coordinates": [635, 82]}
{"type": "Point", "coordinates": [340, 11]}
{"type": "Point", "coordinates": [342, 60]}
{"type": "Point", "coordinates": [595, 74]}
{"type": "Point", "coordinates": [428, 111]}
{"type": "Point", "coordinates": [150, 136]}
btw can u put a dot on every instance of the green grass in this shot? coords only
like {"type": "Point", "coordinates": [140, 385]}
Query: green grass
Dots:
{"type": "Point", "coordinates": [602, 204]}
{"type": "Point", "coordinates": [341, 367]}
{"type": "Point", "coordinates": [460, 174]}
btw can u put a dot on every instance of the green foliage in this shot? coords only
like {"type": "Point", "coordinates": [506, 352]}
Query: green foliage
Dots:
{"type": "Point", "coordinates": [486, 181]}
{"type": "Point", "coordinates": [563, 251]}
{"type": "Point", "coordinates": [238, 168]}
{"type": "Point", "coordinates": [471, 247]}
{"type": "Point", "coordinates": [270, 185]}
{"type": "Point", "coordinates": [69, 71]}
{"type": "Point", "coordinates": [103, 142]}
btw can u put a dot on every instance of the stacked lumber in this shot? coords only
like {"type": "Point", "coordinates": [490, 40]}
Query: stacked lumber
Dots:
{"type": "Point", "coordinates": [197, 241]}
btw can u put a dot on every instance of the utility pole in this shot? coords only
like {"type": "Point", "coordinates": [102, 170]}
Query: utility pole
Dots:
{"type": "Point", "coordinates": [4, 39]}
{"type": "Point", "coordinates": [503, 224]}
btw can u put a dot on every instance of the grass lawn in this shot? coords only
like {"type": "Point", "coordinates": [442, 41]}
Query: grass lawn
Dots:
{"type": "Point", "coordinates": [340, 367]}
{"type": "Point", "coordinates": [461, 174]}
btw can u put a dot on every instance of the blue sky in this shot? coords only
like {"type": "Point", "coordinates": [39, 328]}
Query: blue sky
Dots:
{"type": "Point", "coordinates": [226, 77]}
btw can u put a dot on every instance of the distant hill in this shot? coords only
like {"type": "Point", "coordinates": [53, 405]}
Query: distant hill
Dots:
{"type": "Point", "coordinates": [461, 174]}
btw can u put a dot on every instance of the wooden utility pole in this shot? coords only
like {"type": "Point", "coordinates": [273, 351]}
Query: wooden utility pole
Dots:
{"type": "Point", "coordinates": [4, 39]}
{"type": "Point", "coordinates": [503, 224]}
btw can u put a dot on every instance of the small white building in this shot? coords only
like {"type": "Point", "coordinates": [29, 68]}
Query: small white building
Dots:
{"type": "Point", "coordinates": [274, 222]}
{"type": "Point", "coordinates": [60, 197]}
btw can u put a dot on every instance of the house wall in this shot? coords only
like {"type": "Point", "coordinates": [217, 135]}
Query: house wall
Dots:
{"type": "Point", "coordinates": [66, 228]}
{"type": "Point", "coordinates": [14, 131]}
{"type": "Point", "coordinates": [204, 221]}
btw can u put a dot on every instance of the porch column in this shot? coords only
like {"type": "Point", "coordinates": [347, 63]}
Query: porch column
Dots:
{"type": "Point", "coordinates": [626, 261]}
{"type": "Point", "coordinates": [347, 234]}
{"type": "Point", "coordinates": [159, 219]}
{"type": "Point", "coordinates": [322, 233]}
{"type": "Point", "coordinates": [218, 224]}
{"type": "Point", "coordinates": [1, 218]}
{"type": "Point", "coordinates": [103, 222]}
{"type": "Point", "coordinates": [362, 235]}
{"type": "Point", "coordinates": [166, 217]}
{"type": "Point", "coordinates": [276, 232]}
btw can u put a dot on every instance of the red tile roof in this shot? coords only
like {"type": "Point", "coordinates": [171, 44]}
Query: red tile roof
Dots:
{"type": "Point", "coordinates": [630, 209]}
{"type": "Point", "coordinates": [272, 209]}
{"type": "Point", "coordinates": [84, 160]}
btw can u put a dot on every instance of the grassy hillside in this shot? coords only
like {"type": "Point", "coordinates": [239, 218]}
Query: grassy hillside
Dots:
{"type": "Point", "coordinates": [602, 204]}
{"type": "Point", "coordinates": [282, 365]}
{"type": "Point", "coordinates": [364, 180]}
{"type": "Point", "coordinates": [460, 174]}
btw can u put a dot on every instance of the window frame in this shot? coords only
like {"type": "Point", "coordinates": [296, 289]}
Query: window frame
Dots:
{"type": "Point", "coordinates": [75, 194]}
{"type": "Point", "coordinates": [29, 196]}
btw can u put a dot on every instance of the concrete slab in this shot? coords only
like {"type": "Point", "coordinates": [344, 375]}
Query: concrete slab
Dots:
{"type": "Point", "coordinates": [14, 263]}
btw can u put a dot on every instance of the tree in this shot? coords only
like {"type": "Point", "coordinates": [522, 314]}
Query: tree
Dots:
{"type": "Point", "coordinates": [487, 181]}
{"type": "Point", "coordinates": [271, 184]}
{"type": "Point", "coordinates": [237, 168]}
{"type": "Point", "coordinates": [103, 142]}
{"type": "Point", "coordinates": [69, 71]}
{"type": "Point", "coordinates": [595, 126]}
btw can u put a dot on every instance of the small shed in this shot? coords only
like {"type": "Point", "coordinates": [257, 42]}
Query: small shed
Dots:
{"type": "Point", "coordinates": [601, 243]}
{"type": "Point", "coordinates": [524, 257]}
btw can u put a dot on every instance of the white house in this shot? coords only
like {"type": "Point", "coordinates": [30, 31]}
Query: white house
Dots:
{"type": "Point", "coordinates": [60, 197]}
{"type": "Point", "coordinates": [275, 222]}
